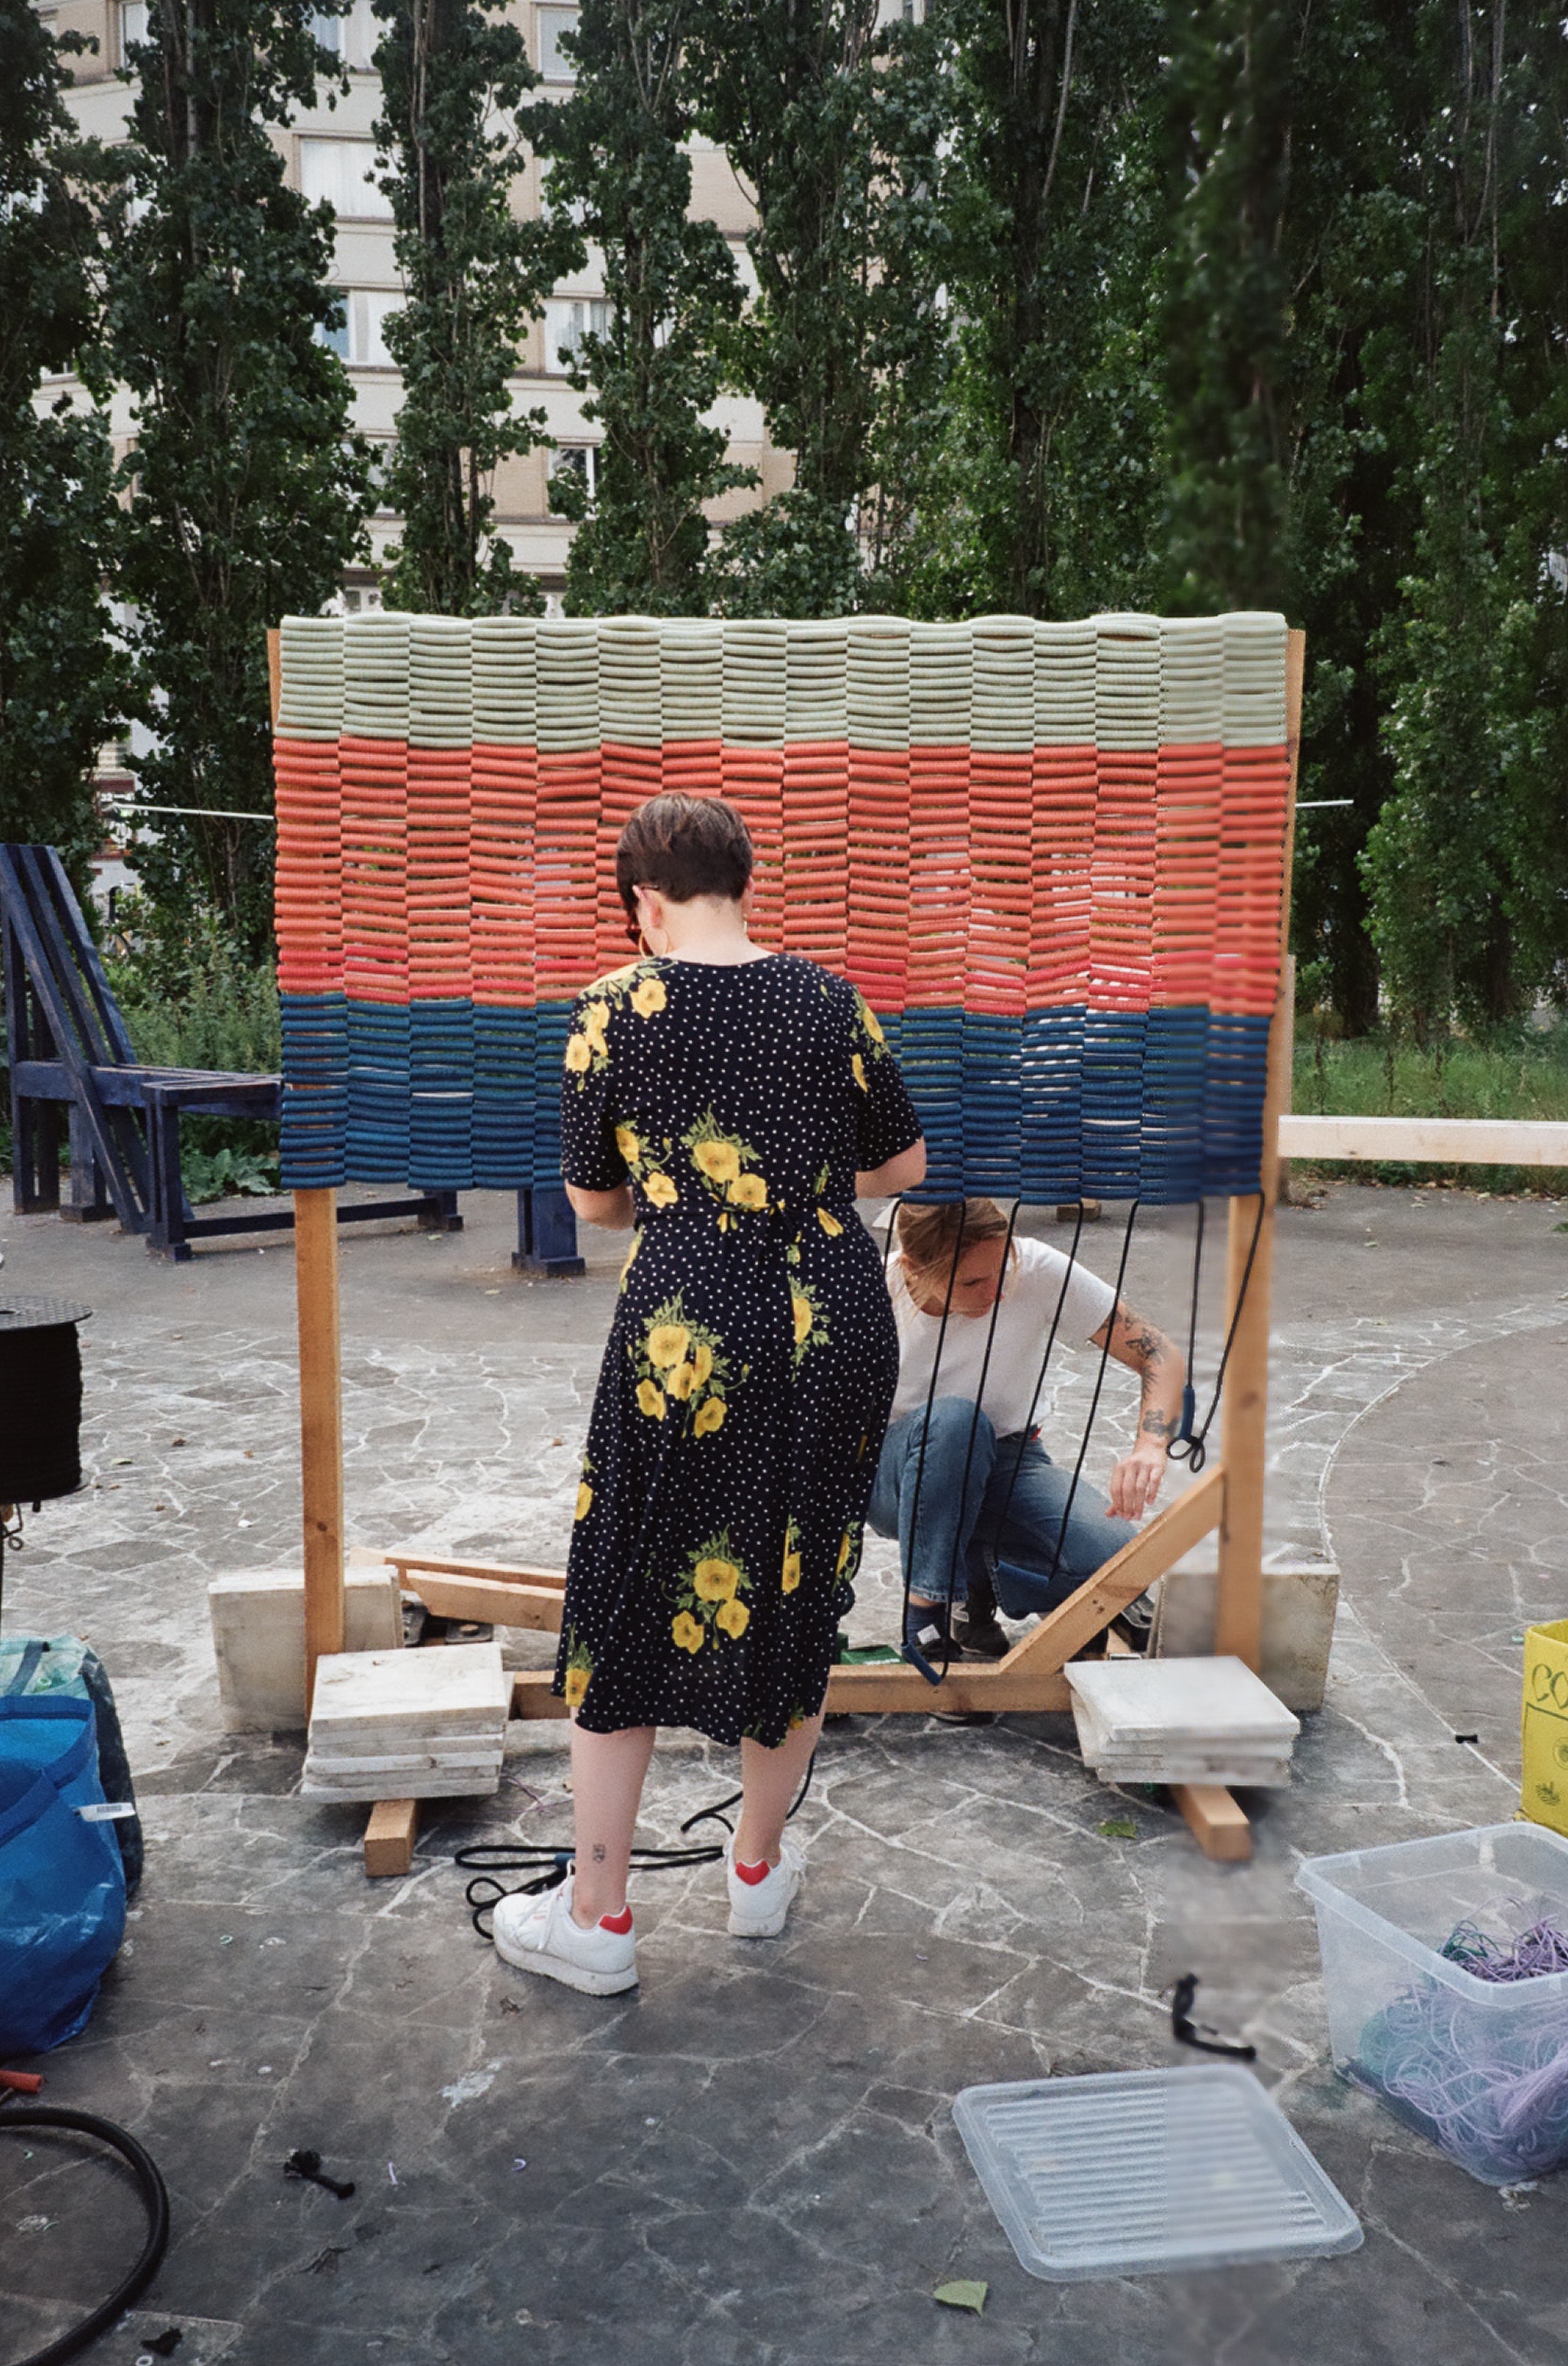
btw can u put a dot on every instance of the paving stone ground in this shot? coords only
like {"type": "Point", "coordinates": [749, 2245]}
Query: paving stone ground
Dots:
{"type": "Point", "coordinates": [752, 2161]}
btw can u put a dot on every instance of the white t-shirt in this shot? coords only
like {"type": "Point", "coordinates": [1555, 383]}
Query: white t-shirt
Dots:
{"type": "Point", "coordinates": [1023, 1325]}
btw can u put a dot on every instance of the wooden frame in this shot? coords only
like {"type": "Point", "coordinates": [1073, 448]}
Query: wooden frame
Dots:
{"type": "Point", "coordinates": [1229, 1496]}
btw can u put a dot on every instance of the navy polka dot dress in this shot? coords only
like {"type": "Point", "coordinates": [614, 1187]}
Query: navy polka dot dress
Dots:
{"type": "Point", "coordinates": [745, 1385]}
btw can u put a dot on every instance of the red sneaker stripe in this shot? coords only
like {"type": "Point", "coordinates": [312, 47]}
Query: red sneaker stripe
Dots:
{"type": "Point", "coordinates": [619, 1923]}
{"type": "Point", "coordinates": [752, 1874]}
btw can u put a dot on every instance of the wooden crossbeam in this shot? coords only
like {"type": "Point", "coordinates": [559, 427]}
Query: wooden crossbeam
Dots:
{"type": "Point", "coordinates": [1428, 1141]}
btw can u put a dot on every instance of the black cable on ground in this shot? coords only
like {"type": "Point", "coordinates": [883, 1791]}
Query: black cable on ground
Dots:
{"type": "Point", "coordinates": [154, 2198]}
{"type": "Point", "coordinates": [485, 1859]}
{"type": "Point", "coordinates": [1196, 1441]}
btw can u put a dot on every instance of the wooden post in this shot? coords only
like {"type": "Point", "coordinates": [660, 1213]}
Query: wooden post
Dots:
{"type": "Point", "coordinates": [1238, 1626]}
{"type": "Point", "coordinates": [321, 1424]}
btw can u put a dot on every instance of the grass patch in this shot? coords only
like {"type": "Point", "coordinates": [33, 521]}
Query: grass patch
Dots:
{"type": "Point", "coordinates": [1518, 1073]}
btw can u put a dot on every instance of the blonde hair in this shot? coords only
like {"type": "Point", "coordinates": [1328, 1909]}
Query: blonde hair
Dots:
{"type": "Point", "coordinates": [928, 1236]}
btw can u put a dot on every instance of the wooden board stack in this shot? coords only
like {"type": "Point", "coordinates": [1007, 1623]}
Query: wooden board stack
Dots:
{"type": "Point", "coordinates": [1180, 1722]}
{"type": "Point", "coordinates": [408, 1725]}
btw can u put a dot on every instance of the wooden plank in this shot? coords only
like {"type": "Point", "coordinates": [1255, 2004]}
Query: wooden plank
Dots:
{"type": "Point", "coordinates": [892, 1689]}
{"type": "Point", "coordinates": [403, 1558]}
{"type": "Point", "coordinates": [477, 1597]}
{"type": "Point", "coordinates": [1217, 1824]}
{"type": "Point", "coordinates": [320, 1422]}
{"type": "Point", "coordinates": [1428, 1141]}
{"type": "Point", "coordinates": [1250, 1269]}
{"type": "Point", "coordinates": [1061, 1635]}
{"type": "Point", "coordinates": [389, 1836]}
{"type": "Point", "coordinates": [531, 1693]}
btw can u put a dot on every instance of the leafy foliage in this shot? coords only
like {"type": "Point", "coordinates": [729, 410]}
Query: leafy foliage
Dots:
{"type": "Point", "coordinates": [245, 491]}
{"type": "Point", "coordinates": [61, 675]}
{"type": "Point", "coordinates": [453, 80]}
{"type": "Point", "coordinates": [622, 168]}
{"type": "Point", "coordinates": [836, 132]}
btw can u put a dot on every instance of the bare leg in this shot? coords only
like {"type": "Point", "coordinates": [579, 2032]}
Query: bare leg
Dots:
{"type": "Point", "coordinates": [771, 1779]}
{"type": "Point", "coordinates": [607, 1772]}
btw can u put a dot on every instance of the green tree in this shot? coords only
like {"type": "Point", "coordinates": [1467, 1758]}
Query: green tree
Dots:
{"type": "Point", "coordinates": [61, 678]}
{"type": "Point", "coordinates": [621, 167]}
{"type": "Point", "coordinates": [1467, 864]}
{"type": "Point", "coordinates": [835, 130]}
{"type": "Point", "coordinates": [453, 81]}
{"type": "Point", "coordinates": [1047, 495]}
{"type": "Point", "coordinates": [1225, 314]}
{"type": "Point", "coordinates": [245, 491]}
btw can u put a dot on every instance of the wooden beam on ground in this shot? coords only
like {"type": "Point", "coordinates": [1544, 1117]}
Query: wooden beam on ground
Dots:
{"type": "Point", "coordinates": [1063, 1632]}
{"type": "Point", "coordinates": [531, 1693]}
{"type": "Point", "coordinates": [1217, 1824]}
{"type": "Point", "coordinates": [321, 1424]}
{"type": "Point", "coordinates": [389, 1837]}
{"type": "Point", "coordinates": [485, 1598]}
{"type": "Point", "coordinates": [1428, 1141]}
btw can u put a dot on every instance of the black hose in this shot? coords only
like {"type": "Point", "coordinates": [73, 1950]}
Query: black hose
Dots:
{"type": "Point", "coordinates": [155, 2201]}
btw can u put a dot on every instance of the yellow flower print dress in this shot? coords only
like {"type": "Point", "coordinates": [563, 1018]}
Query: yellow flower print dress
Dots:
{"type": "Point", "coordinates": [751, 1360]}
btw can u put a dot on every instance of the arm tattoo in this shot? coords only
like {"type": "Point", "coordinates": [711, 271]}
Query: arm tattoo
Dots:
{"type": "Point", "coordinates": [1158, 1425]}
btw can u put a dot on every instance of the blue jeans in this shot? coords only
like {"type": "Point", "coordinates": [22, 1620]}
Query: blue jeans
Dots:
{"type": "Point", "coordinates": [1015, 1522]}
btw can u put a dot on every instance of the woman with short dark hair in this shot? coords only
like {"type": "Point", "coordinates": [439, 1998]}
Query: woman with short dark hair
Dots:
{"type": "Point", "coordinates": [730, 1102]}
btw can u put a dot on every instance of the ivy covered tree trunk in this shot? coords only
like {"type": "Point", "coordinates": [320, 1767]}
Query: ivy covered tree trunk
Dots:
{"type": "Point", "coordinates": [60, 677]}
{"type": "Point", "coordinates": [245, 490]}
{"type": "Point", "coordinates": [453, 79]}
{"type": "Point", "coordinates": [622, 167]}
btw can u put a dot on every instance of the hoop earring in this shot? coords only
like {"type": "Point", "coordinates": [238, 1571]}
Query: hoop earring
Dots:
{"type": "Point", "coordinates": [648, 949]}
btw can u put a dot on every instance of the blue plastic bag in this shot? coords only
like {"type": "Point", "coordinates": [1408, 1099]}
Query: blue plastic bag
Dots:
{"type": "Point", "coordinates": [61, 1879]}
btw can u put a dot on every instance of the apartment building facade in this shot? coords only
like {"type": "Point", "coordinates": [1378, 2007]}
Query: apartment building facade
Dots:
{"type": "Point", "coordinates": [329, 154]}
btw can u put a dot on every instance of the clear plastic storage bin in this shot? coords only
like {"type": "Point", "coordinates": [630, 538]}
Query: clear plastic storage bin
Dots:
{"type": "Point", "coordinates": [1477, 2066]}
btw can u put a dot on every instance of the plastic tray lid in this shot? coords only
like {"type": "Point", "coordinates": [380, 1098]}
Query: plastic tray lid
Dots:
{"type": "Point", "coordinates": [1149, 2172]}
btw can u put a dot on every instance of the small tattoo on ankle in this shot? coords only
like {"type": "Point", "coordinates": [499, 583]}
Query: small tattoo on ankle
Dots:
{"type": "Point", "coordinates": [598, 1851]}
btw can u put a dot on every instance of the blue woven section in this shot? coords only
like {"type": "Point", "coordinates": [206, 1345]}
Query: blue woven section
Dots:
{"type": "Point", "coordinates": [314, 1130]}
{"type": "Point", "coordinates": [504, 1097]}
{"type": "Point", "coordinates": [441, 1096]}
{"type": "Point", "coordinates": [1164, 1106]}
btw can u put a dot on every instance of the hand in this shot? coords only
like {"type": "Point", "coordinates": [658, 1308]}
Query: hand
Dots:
{"type": "Point", "coordinates": [1135, 1482]}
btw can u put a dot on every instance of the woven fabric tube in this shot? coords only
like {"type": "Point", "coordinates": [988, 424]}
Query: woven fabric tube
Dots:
{"type": "Point", "coordinates": [1052, 856]}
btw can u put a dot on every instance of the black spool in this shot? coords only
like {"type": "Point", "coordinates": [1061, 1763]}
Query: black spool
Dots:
{"type": "Point", "coordinates": [41, 1398]}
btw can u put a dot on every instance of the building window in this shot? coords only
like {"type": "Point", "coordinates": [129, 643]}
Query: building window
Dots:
{"type": "Point", "coordinates": [361, 341]}
{"type": "Point", "coordinates": [132, 27]}
{"type": "Point", "coordinates": [352, 38]}
{"type": "Point", "coordinates": [342, 172]}
{"type": "Point", "coordinates": [554, 65]}
{"type": "Point", "coordinates": [578, 460]}
{"type": "Point", "coordinates": [567, 320]}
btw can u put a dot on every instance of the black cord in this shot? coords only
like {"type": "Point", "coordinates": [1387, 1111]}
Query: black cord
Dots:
{"type": "Point", "coordinates": [1023, 1435]}
{"type": "Point", "coordinates": [485, 1859]}
{"type": "Point", "coordinates": [979, 1401]}
{"type": "Point", "coordinates": [1196, 1442]}
{"type": "Point", "coordinates": [1099, 1384]}
{"type": "Point", "coordinates": [911, 1651]}
{"type": "Point", "coordinates": [155, 2201]}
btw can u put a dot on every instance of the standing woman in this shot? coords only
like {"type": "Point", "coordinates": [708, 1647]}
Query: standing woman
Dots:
{"type": "Point", "coordinates": [732, 1103]}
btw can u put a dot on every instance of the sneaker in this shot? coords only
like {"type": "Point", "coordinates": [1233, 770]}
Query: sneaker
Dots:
{"type": "Point", "coordinates": [538, 1935]}
{"type": "Point", "coordinates": [759, 1910]}
{"type": "Point", "coordinates": [981, 1638]}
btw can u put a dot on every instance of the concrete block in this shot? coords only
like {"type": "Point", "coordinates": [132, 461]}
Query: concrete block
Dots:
{"type": "Point", "coordinates": [1299, 1602]}
{"type": "Point", "coordinates": [258, 1632]}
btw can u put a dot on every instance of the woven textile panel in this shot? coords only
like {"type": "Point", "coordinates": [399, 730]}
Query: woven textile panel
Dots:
{"type": "Point", "coordinates": [1051, 856]}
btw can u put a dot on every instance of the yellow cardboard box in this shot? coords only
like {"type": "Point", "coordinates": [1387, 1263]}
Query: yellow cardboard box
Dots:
{"type": "Point", "coordinates": [1544, 1797]}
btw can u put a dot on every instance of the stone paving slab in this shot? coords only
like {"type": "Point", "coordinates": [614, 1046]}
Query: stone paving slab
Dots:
{"type": "Point", "coordinates": [751, 2161]}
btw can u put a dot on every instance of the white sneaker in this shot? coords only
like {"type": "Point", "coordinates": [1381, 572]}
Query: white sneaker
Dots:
{"type": "Point", "coordinates": [759, 1910]}
{"type": "Point", "coordinates": [538, 1935]}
